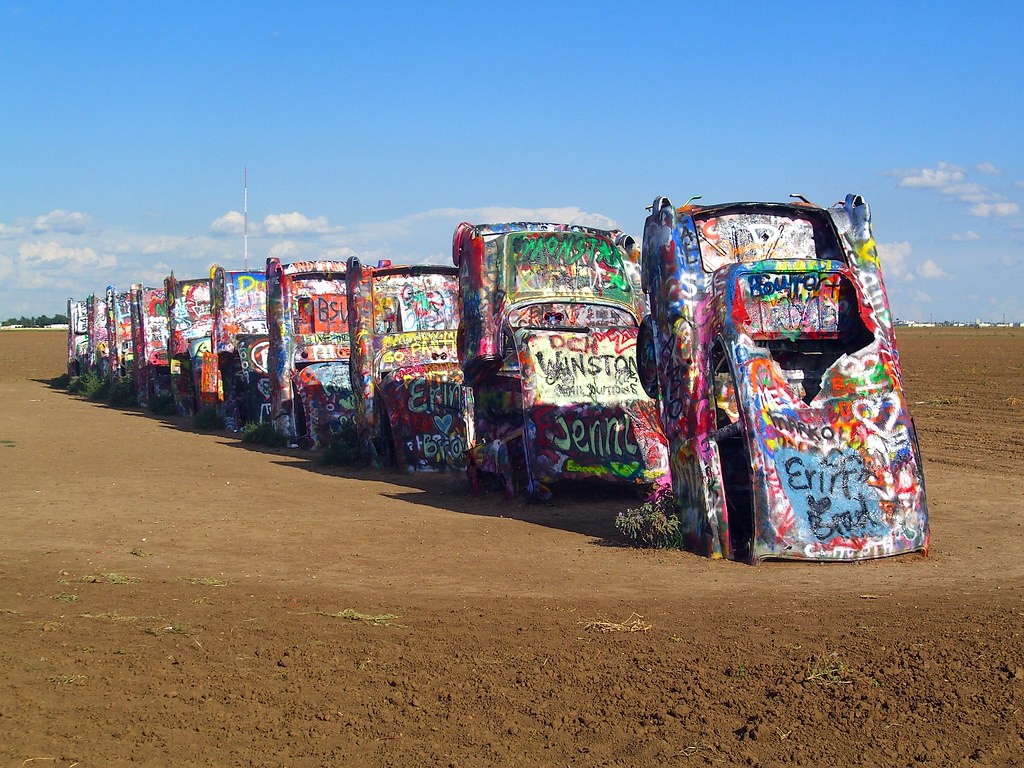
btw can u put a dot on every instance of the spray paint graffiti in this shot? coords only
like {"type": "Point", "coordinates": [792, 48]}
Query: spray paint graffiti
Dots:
{"type": "Point", "coordinates": [770, 349]}
{"type": "Point", "coordinates": [119, 329]}
{"type": "Point", "coordinates": [406, 379]}
{"type": "Point", "coordinates": [190, 325]}
{"type": "Point", "coordinates": [548, 346]}
{"type": "Point", "coordinates": [307, 323]}
{"type": "Point", "coordinates": [239, 306]}
{"type": "Point", "coordinates": [78, 337]}
{"type": "Point", "coordinates": [150, 332]}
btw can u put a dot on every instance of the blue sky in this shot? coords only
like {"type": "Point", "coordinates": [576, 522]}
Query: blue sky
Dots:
{"type": "Point", "coordinates": [373, 129]}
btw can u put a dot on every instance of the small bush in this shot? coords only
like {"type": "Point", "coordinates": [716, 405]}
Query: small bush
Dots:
{"type": "Point", "coordinates": [263, 433]}
{"type": "Point", "coordinates": [121, 393]}
{"type": "Point", "coordinates": [655, 523]}
{"type": "Point", "coordinates": [209, 419]}
{"type": "Point", "coordinates": [163, 405]}
{"type": "Point", "coordinates": [61, 382]}
{"type": "Point", "coordinates": [344, 449]}
{"type": "Point", "coordinates": [89, 385]}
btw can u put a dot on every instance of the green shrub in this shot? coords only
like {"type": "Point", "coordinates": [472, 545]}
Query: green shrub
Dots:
{"type": "Point", "coordinates": [90, 385]}
{"type": "Point", "coordinates": [163, 405]}
{"type": "Point", "coordinates": [263, 433]}
{"type": "Point", "coordinates": [344, 449]}
{"type": "Point", "coordinates": [655, 523]}
{"type": "Point", "coordinates": [209, 419]}
{"type": "Point", "coordinates": [121, 392]}
{"type": "Point", "coordinates": [61, 382]}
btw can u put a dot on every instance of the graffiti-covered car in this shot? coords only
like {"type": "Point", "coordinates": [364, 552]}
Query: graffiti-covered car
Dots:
{"type": "Point", "coordinates": [119, 329]}
{"type": "Point", "coordinates": [405, 371]}
{"type": "Point", "coordinates": [308, 361]}
{"type": "Point", "coordinates": [151, 365]}
{"type": "Point", "coordinates": [235, 374]}
{"type": "Point", "coordinates": [98, 350]}
{"type": "Point", "coordinates": [771, 349]}
{"type": "Point", "coordinates": [190, 323]}
{"type": "Point", "coordinates": [547, 344]}
{"type": "Point", "coordinates": [78, 336]}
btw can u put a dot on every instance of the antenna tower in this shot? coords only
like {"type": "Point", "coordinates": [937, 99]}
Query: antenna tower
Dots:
{"type": "Point", "coordinates": [245, 206]}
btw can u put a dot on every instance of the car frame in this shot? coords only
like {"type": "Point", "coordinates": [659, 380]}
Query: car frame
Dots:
{"type": "Point", "coordinates": [547, 343]}
{"type": "Point", "coordinates": [770, 346]}
{"type": "Point", "coordinates": [190, 325]}
{"type": "Point", "coordinates": [410, 403]}
{"type": "Point", "coordinates": [309, 354]}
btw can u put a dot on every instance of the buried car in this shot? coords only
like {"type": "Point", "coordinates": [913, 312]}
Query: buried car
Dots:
{"type": "Point", "coordinates": [771, 349]}
{"type": "Point", "coordinates": [150, 364]}
{"type": "Point", "coordinates": [405, 371]}
{"type": "Point", "coordinates": [78, 336]}
{"type": "Point", "coordinates": [547, 344]}
{"type": "Point", "coordinates": [309, 350]}
{"type": "Point", "coordinates": [189, 323]}
{"type": "Point", "coordinates": [234, 373]}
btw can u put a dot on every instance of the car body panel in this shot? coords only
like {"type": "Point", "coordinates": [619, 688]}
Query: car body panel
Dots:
{"type": "Point", "coordinates": [770, 345]}
{"type": "Point", "coordinates": [547, 343]}
{"type": "Point", "coordinates": [232, 382]}
{"type": "Point", "coordinates": [307, 323]}
{"type": "Point", "coordinates": [405, 372]}
{"type": "Point", "coordinates": [150, 333]}
{"type": "Point", "coordinates": [190, 325]}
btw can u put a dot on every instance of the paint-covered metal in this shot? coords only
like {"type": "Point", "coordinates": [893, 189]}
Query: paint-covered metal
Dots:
{"type": "Point", "coordinates": [150, 331]}
{"type": "Point", "coordinates": [547, 342]}
{"type": "Point", "coordinates": [405, 372]}
{"type": "Point", "coordinates": [237, 387]}
{"type": "Point", "coordinates": [78, 336]}
{"type": "Point", "coordinates": [119, 329]}
{"type": "Point", "coordinates": [190, 325]}
{"type": "Point", "coordinates": [98, 356]}
{"type": "Point", "coordinates": [771, 349]}
{"type": "Point", "coordinates": [309, 350]}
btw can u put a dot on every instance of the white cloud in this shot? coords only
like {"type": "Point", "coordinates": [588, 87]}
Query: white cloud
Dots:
{"type": "Point", "coordinates": [284, 250]}
{"type": "Point", "coordinates": [10, 230]}
{"type": "Point", "coordinates": [897, 263]}
{"type": "Point", "coordinates": [967, 236]}
{"type": "Point", "coordinates": [942, 175]}
{"type": "Point", "coordinates": [988, 168]}
{"type": "Point", "coordinates": [893, 257]}
{"type": "Point", "coordinates": [999, 209]}
{"type": "Point", "coordinates": [71, 222]}
{"type": "Point", "coordinates": [295, 223]}
{"type": "Point", "coordinates": [71, 258]}
{"type": "Point", "coordinates": [929, 270]}
{"type": "Point", "coordinates": [231, 223]}
{"type": "Point", "coordinates": [163, 245]}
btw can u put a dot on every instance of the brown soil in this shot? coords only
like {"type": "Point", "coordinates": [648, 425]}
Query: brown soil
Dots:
{"type": "Point", "coordinates": [173, 597]}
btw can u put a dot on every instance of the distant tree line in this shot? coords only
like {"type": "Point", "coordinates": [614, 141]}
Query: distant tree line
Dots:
{"type": "Point", "coordinates": [36, 322]}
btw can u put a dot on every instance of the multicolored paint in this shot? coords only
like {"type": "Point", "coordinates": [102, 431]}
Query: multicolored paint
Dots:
{"type": "Point", "coordinates": [99, 336]}
{"type": "Point", "coordinates": [771, 350]}
{"type": "Point", "coordinates": [308, 355]}
{"type": "Point", "coordinates": [406, 378]}
{"type": "Point", "coordinates": [190, 325]}
{"type": "Point", "coordinates": [547, 344]}
{"type": "Point", "coordinates": [237, 387]}
{"type": "Point", "coordinates": [150, 332]}
{"type": "Point", "coordinates": [119, 329]}
{"type": "Point", "coordinates": [78, 337]}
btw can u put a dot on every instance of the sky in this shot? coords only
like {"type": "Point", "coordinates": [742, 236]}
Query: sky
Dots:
{"type": "Point", "coordinates": [135, 135]}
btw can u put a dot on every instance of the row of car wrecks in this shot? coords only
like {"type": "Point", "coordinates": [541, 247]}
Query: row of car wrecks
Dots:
{"type": "Point", "coordinates": [740, 361]}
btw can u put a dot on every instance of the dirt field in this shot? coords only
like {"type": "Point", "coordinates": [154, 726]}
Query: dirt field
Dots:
{"type": "Point", "coordinates": [171, 597]}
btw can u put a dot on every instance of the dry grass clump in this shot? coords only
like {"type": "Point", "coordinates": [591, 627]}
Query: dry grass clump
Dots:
{"type": "Point", "coordinates": [635, 623]}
